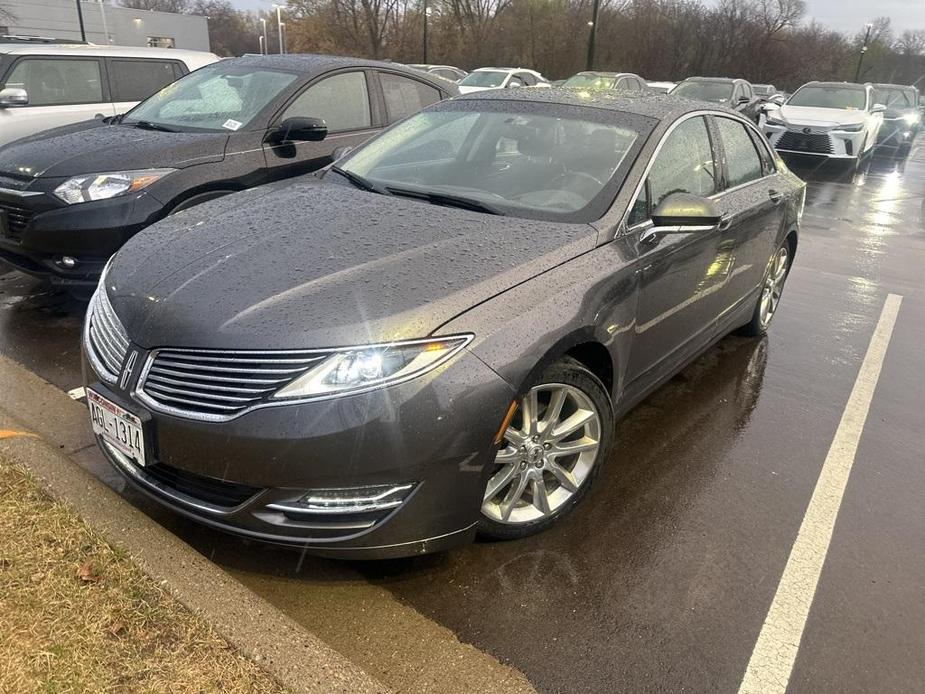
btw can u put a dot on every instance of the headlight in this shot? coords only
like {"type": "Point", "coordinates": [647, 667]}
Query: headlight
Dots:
{"type": "Point", "coordinates": [771, 120]}
{"type": "Point", "coordinates": [912, 118]}
{"type": "Point", "coordinates": [851, 128]}
{"type": "Point", "coordinates": [100, 186]}
{"type": "Point", "coordinates": [363, 368]}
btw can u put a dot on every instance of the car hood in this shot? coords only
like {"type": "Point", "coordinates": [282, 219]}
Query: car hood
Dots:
{"type": "Point", "coordinates": [821, 117]}
{"type": "Point", "coordinates": [94, 146]}
{"type": "Point", "coordinates": [309, 264]}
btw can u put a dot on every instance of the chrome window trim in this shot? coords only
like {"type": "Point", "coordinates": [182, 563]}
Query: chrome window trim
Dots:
{"type": "Point", "coordinates": [20, 193]}
{"type": "Point", "coordinates": [623, 228]}
{"type": "Point", "coordinates": [139, 395]}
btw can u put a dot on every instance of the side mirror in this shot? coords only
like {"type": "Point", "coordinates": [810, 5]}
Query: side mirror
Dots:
{"type": "Point", "coordinates": [299, 129]}
{"type": "Point", "coordinates": [769, 106]}
{"type": "Point", "coordinates": [682, 213]}
{"type": "Point", "coordinates": [340, 153]}
{"type": "Point", "coordinates": [13, 96]}
{"type": "Point", "coordinates": [742, 100]}
{"type": "Point", "coordinates": [878, 108]}
{"type": "Point", "coordinates": [512, 85]}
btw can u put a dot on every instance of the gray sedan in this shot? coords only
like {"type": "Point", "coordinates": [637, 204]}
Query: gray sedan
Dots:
{"type": "Point", "coordinates": [435, 337]}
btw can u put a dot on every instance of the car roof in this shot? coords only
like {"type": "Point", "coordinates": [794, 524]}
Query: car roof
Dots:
{"type": "Point", "coordinates": [81, 49]}
{"type": "Point", "coordinates": [658, 106]}
{"type": "Point", "coordinates": [886, 85]}
{"type": "Point", "coordinates": [714, 79]}
{"type": "Point", "coordinates": [856, 85]}
{"type": "Point", "coordinates": [316, 62]}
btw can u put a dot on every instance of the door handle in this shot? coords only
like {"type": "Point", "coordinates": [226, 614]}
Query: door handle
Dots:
{"type": "Point", "coordinates": [775, 196]}
{"type": "Point", "coordinates": [725, 221]}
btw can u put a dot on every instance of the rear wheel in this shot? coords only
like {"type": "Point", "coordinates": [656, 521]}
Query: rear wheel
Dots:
{"type": "Point", "coordinates": [552, 450]}
{"type": "Point", "coordinates": [771, 291]}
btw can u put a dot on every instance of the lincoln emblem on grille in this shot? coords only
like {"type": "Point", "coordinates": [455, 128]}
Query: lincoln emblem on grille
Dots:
{"type": "Point", "coordinates": [128, 368]}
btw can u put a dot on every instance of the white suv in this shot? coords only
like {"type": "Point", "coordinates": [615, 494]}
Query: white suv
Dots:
{"type": "Point", "coordinates": [44, 86]}
{"type": "Point", "coordinates": [829, 119]}
{"type": "Point", "coordinates": [501, 78]}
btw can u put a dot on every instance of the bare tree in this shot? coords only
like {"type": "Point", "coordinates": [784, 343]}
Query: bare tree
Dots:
{"type": "Point", "coordinates": [176, 6]}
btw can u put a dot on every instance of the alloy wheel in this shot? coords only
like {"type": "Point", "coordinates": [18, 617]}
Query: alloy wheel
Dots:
{"type": "Point", "coordinates": [549, 450]}
{"type": "Point", "coordinates": [774, 285]}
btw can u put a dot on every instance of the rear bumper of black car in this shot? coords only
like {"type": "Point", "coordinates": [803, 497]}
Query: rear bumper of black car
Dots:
{"type": "Point", "coordinates": [69, 244]}
{"type": "Point", "coordinates": [433, 434]}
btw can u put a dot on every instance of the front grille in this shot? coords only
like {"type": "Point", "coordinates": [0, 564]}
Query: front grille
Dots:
{"type": "Point", "coordinates": [107, 339]}
{"type": "Point", "coordinates": [814, 143]}
{"type": "Point", "coordinates": [17, 218]}
{"type": "Point", "coordinates": [208, 489]}
{"type": "Point", "coordinates": [213, 384]}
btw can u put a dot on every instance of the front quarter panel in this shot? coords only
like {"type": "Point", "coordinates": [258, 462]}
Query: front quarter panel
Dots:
{"type": "Point", "coordinates": [592, 298]}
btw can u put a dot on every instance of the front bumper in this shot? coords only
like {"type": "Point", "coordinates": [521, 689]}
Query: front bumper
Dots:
{"type": "Point", "coordinates": [896, 132]}
{"type": "Point", "coordinates": [820, 142]}
{"type": "Point", "coordinates": [434, 432]}
{"type": "Point", "coordinates": [69, 244]}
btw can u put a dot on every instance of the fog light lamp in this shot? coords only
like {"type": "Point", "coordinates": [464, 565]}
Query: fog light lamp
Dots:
{"type": "Point", "coordinates": [68, 262]}
{"type": "Point", "coordinates": [348, 499]}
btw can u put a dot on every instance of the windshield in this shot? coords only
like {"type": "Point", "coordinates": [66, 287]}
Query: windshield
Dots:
{"type": "Point", "coordinates": [484, 78]}
{"type": "Point", "coordinates": [216, 98]}
{"type": "Point", "coordinates": [895, 98]}
{"type": "Point", "coordinates": [524, 164]}
{"type": "Point", "coordinates": [717, 92]}
{"type": "Point", "coordinates": [846, 98]}
{"type": "Point", "coordinates": [590, 82]}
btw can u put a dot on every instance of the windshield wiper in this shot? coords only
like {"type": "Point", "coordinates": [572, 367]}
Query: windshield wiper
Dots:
{"type": "Point", "coordinates": [359, 181]}
{"type": "Point", "coordinates": [447, 199]}
{"type": "Point", "coordinates": [148, 125]}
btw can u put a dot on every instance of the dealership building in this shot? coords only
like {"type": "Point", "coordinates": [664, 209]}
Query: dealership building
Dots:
{"type": "Point", "coordinates": [104, 23]}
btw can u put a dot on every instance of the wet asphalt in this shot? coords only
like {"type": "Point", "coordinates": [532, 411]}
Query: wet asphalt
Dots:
{"type": "Point", "coordinates": [662, 578]}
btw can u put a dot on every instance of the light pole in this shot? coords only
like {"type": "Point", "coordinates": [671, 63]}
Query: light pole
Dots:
{"type": "Point", "coordinates": [279, 27]}
{"type": "Point", "coordinates": [282, 33]}
{"type": "Point", "coordinates": [857, 72]}
{"type": "Point", "coordinates": [589, 65]}
{"type": "Point", "coordinates": [426, 15]}
{"type": "Point", "coordinates": [263, 39]}
{"type": "Point", "coordinates": [80, 19]}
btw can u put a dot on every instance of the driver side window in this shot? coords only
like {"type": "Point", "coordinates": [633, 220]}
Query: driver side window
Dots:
{"type": "Point", "coordinates": [683, 165]}
{"type": "Point", "coordinates": [341, 100]}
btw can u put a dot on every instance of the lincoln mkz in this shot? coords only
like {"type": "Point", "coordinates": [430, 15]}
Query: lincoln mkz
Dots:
{"type": "Point", "coordinates": [433, 338]}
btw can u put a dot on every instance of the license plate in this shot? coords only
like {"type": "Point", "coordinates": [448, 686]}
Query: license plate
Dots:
{"type": "Point", "coordinates": [117, 426]}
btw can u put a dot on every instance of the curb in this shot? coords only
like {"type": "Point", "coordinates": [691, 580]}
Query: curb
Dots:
{"type": "Point", "coordinates": [297, 658]}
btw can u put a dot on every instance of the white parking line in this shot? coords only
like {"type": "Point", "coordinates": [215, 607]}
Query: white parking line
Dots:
{"type": "Point", "coordinates": [775, 651]}
{"type": "Point", "coordinates": [77, 393]}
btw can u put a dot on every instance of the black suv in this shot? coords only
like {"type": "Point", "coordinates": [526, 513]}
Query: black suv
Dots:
{"type": "Point", "coordinates": [737, 94]}
{"type": "Point", "coordinates": [71, 196]}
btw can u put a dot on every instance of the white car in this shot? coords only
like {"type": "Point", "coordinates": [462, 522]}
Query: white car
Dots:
{"type": "Point", "coordinates": [838, 120]}
{"type": "Point", "coordinates": [501, 78]}
{"type": "Point", "coordinates": [44, 86]}
{"type": "Point", "coordinates": [662, 87]}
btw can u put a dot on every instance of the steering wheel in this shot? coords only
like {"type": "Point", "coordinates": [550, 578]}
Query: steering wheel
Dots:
{"type": "Point", "coordinates": [586, 177]}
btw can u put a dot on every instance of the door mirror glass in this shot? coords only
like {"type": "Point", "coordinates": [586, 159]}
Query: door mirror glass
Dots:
{"type": "Point", "coordinates": [12, 96]}
{"type": "Point", "coordinates": [300, 129]}
{"type": "Point", "coordinates": [683, 213]}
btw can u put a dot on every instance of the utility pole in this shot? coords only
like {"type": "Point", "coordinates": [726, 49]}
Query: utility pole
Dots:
{"type": "Point", "coordinates": [279, 27]}
{"type": "Point", "coordinates": [80, 19]}
{"type": "Point", "coordinates": [589, 65]}
{"type": "Point", "coordinates": [264, 47]}
{"type": "Point", "coordinates": [426, 12]}
{"type": "Point", "coordinates": [857, 72]}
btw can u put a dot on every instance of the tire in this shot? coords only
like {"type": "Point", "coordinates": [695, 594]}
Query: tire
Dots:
{"type": "Point", "coordinates": [772, 288]}
{"type": "Point", "coordinates": [532, 454]}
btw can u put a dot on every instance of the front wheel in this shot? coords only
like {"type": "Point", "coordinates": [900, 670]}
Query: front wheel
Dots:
{"type": "Point", "coordinates": [771, 290]}
{"type": "Point", "coordinates": [553, 448]}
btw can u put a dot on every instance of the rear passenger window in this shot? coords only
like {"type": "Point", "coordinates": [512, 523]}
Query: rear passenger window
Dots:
{"type": "Point", "coordinates": [684, 164]}
{"type": "Point", "coordinates": [135, 80]}
{"type": "Point", "coordinates": [341, 100]}
{"type": "Point", "coordinates": [52, 82]}
{"type": "Point", "coordinates": [405, 96]}
{"type": "Point", "coordinates": [742, 160]}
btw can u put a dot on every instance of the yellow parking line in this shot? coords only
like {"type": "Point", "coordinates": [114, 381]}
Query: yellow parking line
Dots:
{"type": "Point", "coordinates": [11, 433]}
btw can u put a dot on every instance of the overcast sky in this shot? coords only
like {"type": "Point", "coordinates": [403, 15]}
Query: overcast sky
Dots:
{"type": "Point", "coordinates": [843, 15]}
